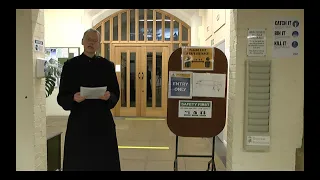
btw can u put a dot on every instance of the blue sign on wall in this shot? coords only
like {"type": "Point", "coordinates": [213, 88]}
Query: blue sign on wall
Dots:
{"type": "Point", "coordinates": [180, 85]}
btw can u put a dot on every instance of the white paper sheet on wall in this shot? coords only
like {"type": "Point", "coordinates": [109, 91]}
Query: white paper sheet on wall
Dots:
{"type": "Point", "coordinates": [62, 53]}
{"type": "Point", "coordinates": [118, 68]}
{"type": "Point", "coordinates": [74, 51]}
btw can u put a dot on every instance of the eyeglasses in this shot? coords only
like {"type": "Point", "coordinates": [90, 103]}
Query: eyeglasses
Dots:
{"type": "Point", "coordinates": [91, 40]}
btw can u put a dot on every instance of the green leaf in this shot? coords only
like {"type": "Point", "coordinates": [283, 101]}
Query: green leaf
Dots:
{"type": "Point", "coordinates": [49, 85]}
{"type": "Point", "coordinates": [53, 71]}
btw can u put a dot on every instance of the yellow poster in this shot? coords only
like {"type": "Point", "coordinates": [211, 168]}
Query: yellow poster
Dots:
{"type": "Point", "coordinates": [197, 58]}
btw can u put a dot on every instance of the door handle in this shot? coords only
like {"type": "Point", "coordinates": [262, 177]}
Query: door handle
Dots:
{"type": "Point", "coordinates": [139, 75]}
{"type": "Point", "coordinates": [142, 75]}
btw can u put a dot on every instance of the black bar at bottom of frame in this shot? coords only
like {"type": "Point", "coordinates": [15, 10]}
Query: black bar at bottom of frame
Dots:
{"type": "Point", "coordinates": [204, 156]}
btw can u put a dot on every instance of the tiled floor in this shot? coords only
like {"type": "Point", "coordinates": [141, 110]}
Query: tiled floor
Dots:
{"type": "Point", "coordinates": [153, 133]}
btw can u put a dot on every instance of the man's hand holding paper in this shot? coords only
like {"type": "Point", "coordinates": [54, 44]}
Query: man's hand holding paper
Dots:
{"type": "Point", "coordinates": [78, 98]}
{"type": "Point", "coordinates": [106, 96]}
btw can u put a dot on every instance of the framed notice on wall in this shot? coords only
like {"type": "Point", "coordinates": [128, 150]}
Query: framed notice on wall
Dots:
{"type": "Point", "coordinates": [208, 23]}
{"type": "Point", "coordinates": [256, 45]}
{"type": "Point", "coordinates": [218, 19]}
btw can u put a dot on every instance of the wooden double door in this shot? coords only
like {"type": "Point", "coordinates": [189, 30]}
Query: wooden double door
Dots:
{"type": "Point", "coordinates": [142, 75]}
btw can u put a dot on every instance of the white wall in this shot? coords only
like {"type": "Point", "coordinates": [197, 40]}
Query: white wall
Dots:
{"type": "Point", "coordinates": [102, 15]}
{"type": "Point", "coordinates": [64, 28]}
{"type": "Point", "coordinates": [223, 33]}
{"type": "Point", "coordinates": [39, 106]}
{"type": "Point", "coordinates": [196, 31]}
{"type": "Point", "coordinates": [287, 95]}
{"type": "Point", "coordinates": [31, 137]}
{"type": "Point", "coordinates": [24, 92]}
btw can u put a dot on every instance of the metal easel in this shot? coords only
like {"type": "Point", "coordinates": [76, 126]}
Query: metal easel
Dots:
{"type": "Point", "coordinates": [211, 163]}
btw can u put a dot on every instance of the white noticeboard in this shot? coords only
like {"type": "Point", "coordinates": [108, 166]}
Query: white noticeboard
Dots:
{"type": "Point", "coordinates": [195, 109]}
{"type": "Point", "coordinates": [286, 38]}
{"type": "Point", "coordinates": [209, 85]}
{"type": "Point", "coordinates": [256, 46]}
{"type": "Point", "coordinates": [258, 140]}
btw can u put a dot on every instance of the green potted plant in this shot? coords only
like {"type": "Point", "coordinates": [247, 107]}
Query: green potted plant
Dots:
{"type": "Point", "coordinates": [53, 69]}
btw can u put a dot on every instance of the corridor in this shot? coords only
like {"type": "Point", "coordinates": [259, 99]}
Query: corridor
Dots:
{"type": "Point", "coordinates": [141, 40]}
{"type": "Point", "coordinates": [148, 145]}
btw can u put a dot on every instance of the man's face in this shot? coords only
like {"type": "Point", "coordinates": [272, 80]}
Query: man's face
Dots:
{"type": "Point", "coordinates": [91, 42]}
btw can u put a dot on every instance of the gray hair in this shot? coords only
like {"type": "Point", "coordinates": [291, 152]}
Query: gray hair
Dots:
{"type": "Point", "coordinates": [91, 30]}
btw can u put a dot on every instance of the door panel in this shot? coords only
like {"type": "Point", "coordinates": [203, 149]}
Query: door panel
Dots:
{"type": "Point", "coordinates": [154, 92]}
{"type": "Point", "coordinates": [142, 80]}
{"type": "Point", "coordinates": [128, 59]}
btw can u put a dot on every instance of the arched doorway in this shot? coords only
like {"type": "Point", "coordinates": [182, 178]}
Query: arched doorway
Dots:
{"type": "Point", "coordinates": [139, 42]}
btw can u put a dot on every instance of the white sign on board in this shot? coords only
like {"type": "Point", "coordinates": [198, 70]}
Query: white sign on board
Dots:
{"type": "Point", "coordinates": [195, 109]}
{"type": "Point", "coordinates": [286, 38]}
{"type": "Point", "coordinates": [258, 140]}
{"type": "Point", "coordinates": [256, 45]}
{"type": "Point", "coordinates": [180, 85]}
{"type": "Point", "coordinates": [209, 85]}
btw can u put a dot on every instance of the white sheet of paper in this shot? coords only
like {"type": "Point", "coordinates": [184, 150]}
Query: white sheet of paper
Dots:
{"type": "Point", "coordinates": [92, 93]}
{"type": "Point", "coordinates": [209, 85]}
{"type": "Point", "coordinates": [118, 68]}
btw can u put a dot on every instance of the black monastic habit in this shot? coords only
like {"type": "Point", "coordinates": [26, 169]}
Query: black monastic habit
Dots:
{"type": "Point", "coordinates": [90, 141]}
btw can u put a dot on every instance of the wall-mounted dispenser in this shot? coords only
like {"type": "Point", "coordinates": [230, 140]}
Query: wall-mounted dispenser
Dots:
{"type": "Point", "coordinates": [40, 67]}
{"type": "Point", "coordinates": [257, 105]}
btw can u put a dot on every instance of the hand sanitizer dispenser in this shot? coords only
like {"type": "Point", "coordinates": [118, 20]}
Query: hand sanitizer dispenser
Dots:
{"type": "Point", "coordinates": [40, 66]}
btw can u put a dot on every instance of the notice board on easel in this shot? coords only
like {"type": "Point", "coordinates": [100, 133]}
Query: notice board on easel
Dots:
{"type": "Point", "coordinates": [197, 91]}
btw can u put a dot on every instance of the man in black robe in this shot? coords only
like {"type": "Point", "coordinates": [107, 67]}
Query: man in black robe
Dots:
{"type": "Point", "coordinates": [91, 142]}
